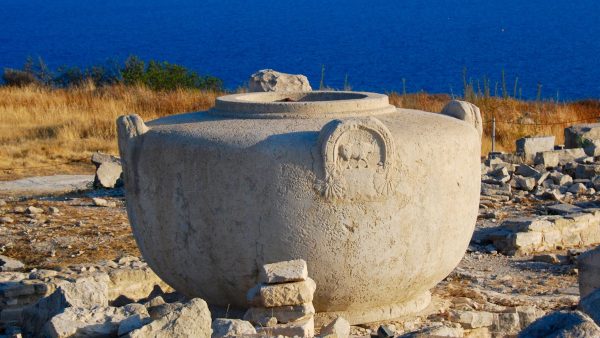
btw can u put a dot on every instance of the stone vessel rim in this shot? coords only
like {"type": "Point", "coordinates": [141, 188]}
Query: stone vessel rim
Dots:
{"type": "Point", "coordinates": [315, 104]}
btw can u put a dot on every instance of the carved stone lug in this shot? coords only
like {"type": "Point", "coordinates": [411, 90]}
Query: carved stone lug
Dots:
{"type": "Point", "coordinates": [359, 160]}
{"type": "Point", "coordinates": [465, 111]}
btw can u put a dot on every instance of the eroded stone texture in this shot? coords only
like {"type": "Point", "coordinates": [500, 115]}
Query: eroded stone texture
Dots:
{"type": "Point", "coordinates": [301, 328]}
{"type": "Point", "coordinates": [191, 320]}
{"type": "Point", "coordinates": [283, 314]}
{"type": "Point", "coordinates": [342, 180]}
{"type": "Point", "coordinates": [338, 328]}
{"type": "Point", "coordinates": [575, 135]}
{"type": "Point", "coordinates": [589, 272]}
{"type": "Point", "coordinates": [295, 293]}
{"type": "Point", "coordinates": [566, 324]}
{"type": "Point", "coordinates": [288, 271]}
{"type": "Point", "coordinates": [223, 327]}
{"type": "Point", "coordinates": [530, 146]}
{"type": "Point", "coordinates": [268, 80]}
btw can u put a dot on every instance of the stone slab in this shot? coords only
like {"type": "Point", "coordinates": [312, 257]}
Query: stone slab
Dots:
{"type": "Point", "coordinates": [46, 185]}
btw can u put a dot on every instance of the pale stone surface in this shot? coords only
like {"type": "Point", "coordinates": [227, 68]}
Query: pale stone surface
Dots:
{"type": "Point", "coordinates": [338, 328]}
{"type": "Point", "coordinates": [589, 271]}
{"type": "Point", "coordinates": [287, 271]}
{"type": "Point", "coordinates": [135, 284]}
{"type": "Point", "coordinates": [576, 134]}
{"type": "Point", "coordinates": [212, 196]}
{"type": "Point", "coordinates": [564, 324]}
{"type": "Point", "coordinates": [223, 327]}
{"type": "Point", "coordinates": [528, 147]}
{"type": "Point", "coordinates": [9, 264]}
{"type": "Point", "coordinates": [549, 159]}
{"type": "Point", "coordinates": [101, 202]}
{"type": "Point", "coordinates": [472, 319]}
{"type": "Point", "coordinates": [191, 320]}
{"type": "Point", "coordinates": [108, 170]}
{"type": "Point", "coordinates": [590, 304]}
{"type": "Point", "coordinates": [268, 80]}
{"type": "Point", "coordinates": [295, 293]}
{"type": "Point", "coordinates": [84, 293]}
{"type": "Point", "coordinates": [42, 185]}
{"type": "Point", "coordinates": [465, 111]}
{"type": "Point", "coordinates": [283, 314]}
{"type": "Point", "coordinates": [94, 322]}
{"type": "Point", "coordinates": [302, 328]}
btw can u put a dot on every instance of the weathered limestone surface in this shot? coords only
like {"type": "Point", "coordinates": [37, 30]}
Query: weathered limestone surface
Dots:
{"type": "Point", "coordinates": [268, 80]}
{"type": "Point", "coordinates": [191, 320]}
{"type": "Point", "coordinates": [567, 324]}
{"type": "Point", "coordinates": [530, 146]}
{"type": "Point", "coordinates": [302, 328]}
{"type": "Point", "coordinates": [589, 272]}
{"type": "Point", "coordinates": [288, 271]}
{"type": "Point", "coordinates": [283, 314]}
{"type": "Point", "coordinates": [337, 172]}
{"type": "Point", "coordinates": [575, 135]}
{"type": "Point", "coordinates": [338, 328]}
{"type": "Point", "coordinates": [222, 327]}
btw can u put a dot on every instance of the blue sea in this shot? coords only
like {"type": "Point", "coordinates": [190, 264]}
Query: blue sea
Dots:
{"type": "Point", "coordinates": [378, 45]}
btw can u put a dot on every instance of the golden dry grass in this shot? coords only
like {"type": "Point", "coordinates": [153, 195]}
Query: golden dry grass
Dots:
{"type": "Point", "coordinates": [42, 129]}
{"type": "Point", "coordinates": [514, 118]}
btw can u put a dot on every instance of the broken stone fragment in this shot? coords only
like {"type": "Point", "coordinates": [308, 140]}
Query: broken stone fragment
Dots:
{"type": "Point", "coordinates": [108, 170]}
{"type": "Point", "coordinates": [564, 324]}
{"type": "Point", "coordinates": [301, 328]}
{"type": "Point", "coordinates": [96, 322]}
{"type": "Point", "coordinates": [338, 328]}
{"type": "Point", "coordinates": [590, 304]}
{"type": "Point", "coordinates": [10, 264]}
{"type": "Point", "coordinates": [283, 314]}
{"type": "Point", "coordinates": [282, 272]}
{"type": "Point", "coordinates": [190, 320]}
{"type": "Point", "coordinates": [294, 293]}
{"type": "Point", "coordinates": [83, 293]}
{"type": "Point", "coordinates": [33, 210]}
{"type": "Point", "coordinates": [472, 319]}
{"type": "Point", "coordinates": [223, 327]}
{"type": "Point", "coordinates": [268, 80]}
{"type": "Point", "coordinates": [101, 202]}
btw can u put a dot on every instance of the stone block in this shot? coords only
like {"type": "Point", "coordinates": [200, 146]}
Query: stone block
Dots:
{"type": "Point", "coordinates": [524, 183]}
{"type": "Point", "coordinates": [472, 319]}
{"type": "Point", "coordinates": [295, 293]}
{"type": "Point", "coordinates": [587, 171]}
{"type": "Point", "coordinates": [527, 241]}
{"type": "Point", "coordinates": [282, 272]}
{"type": "Point", "coordinates": [524, 224]}
{"type": "Point", "coordinates": [549, 159]}
{"type": "Point", "coordinates": [283, 314]}
{"type": "Point", "coordinates": [338, 328]}
{"type": "Point", "coordinates": [268, 80]}
{"type": "Point", "coordinates": [530, 146]}
{"type": "Point", "coordinates": [566, 324]}
{"type": "Point", "coordinates": [590, 305]}
{"type": "Point", "coordinates": [527, 171]}
{"type": "Point", "coordinates": [588, 264]}
{"type": "Point", "coordinates": [302, 328]}
{"type": "Point", "coordinates": [190, 320]}
{"type": "Point", "coordinates": [576, 135]}
{"type": "Point", "coordinates": [223, 327]}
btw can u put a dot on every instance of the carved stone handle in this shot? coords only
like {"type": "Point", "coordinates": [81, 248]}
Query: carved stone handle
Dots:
{"type": "Point", "coordinates": [465, 111]}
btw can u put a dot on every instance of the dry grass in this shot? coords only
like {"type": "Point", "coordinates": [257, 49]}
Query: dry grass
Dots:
{"type": "Point", "coordinates": [42, 129]}
{"type": "Point", "coordinates": [514, 118]}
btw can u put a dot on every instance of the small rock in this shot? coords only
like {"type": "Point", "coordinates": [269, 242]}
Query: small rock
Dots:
{"type": "Point", "coordinates": [53, 210]}
{"type": "Point", "coordinates": [385, 332]}
{"type": "Point", "coordinates": [9, 264]}
{"type": "Point", "coordinates": [302, 328]}
{"type": "Point", "coordinates": [565, 324]}
{"type": "Point", "coordinates": [2, 202]}
{"type": "Point", "coordinates": [268, 80]}
{"type": "Point", "coordinates": [223, 327]}
{"type": "Point", "coordinates": [338, 328]}
{"type": "Point", "coordinates": [283, 314]}
{"type": "Point", "coordinates": [100, 202]}
{"type": "Point", "coordinates": [6, 220]}
{"type": "Point", "coordinates": [547, 258]}
{"type": "Point", "coordinates": [577, 188]}
{"type": "Point", "coordinates": [282, 272]}
{"type": "Point", "coordinates": [31, 210]}
{"type": "Point", "coordinates": [472, 319]}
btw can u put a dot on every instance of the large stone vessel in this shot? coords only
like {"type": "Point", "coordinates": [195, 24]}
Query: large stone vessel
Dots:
{"type": "Point", "coordinates": [381, 202]}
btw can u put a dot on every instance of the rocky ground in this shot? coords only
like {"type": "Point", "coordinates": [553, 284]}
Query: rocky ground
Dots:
{"type": "Point", "coordinates": [508, 277]}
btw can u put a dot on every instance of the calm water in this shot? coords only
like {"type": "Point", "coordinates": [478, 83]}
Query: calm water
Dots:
{"type": "Point", "coordinates": [375, 43]}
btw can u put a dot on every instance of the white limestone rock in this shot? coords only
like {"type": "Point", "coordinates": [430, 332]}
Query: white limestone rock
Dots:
{"type": "Point", "coordinates": [10, 264]}
{"type": "Point", "coordinates": [273, 295]}
{"type": "Point", "coordinates": [465, 111]}
{"type": "Point", "coordinates": [283, 272]}
{"type": "Point", "coordinates": [472, 319]}
{"type": "Point", "coordinates": [95, 322]}
{"type": "Point", "coordinates": [83, 293]}
{"type": "Point", "coordinates": [564, 324]}
{"type": "Point", "coordinates": [223, 327]}
{"type": "Point", "coordinates": [191, 320]}
{"type": "Point", "coordinates": [283, 314]}
{"type": "Point", "coordinates": [338, 328]}
{"type": "Point", "coordinates": [268, 80]}
{"type": "Point", "coordinates": [530, 146]}
{"type": "Point", "coordinates": [302, 328]}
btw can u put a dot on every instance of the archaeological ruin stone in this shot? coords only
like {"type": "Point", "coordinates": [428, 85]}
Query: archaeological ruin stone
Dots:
{"type": "Point", "coordinates": [528, 147]}
{"type": "Point", "coordinates": [576, 135]}
{"type": "Point", "coordinates": [268, 80]}
{"type": "Point", "coordinates": [343, 180]}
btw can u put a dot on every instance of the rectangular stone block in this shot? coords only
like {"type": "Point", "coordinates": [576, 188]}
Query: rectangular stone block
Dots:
{"type": "Point", "coordinates": [528, 147]}
{"type": "Point", "coordinates": [282, 272]}
{"type": "Point", "coordinates": [302, 328]}
{"type": "Point", "coordinates": [526, 242]}
{"type": "Point", "coordinates": [294, 293]}
{"type": "Point", "coordinates": [284, 314]}
{"type": "Point", "coordinates": [588, 264]}
{"type": "Point", "coordinates": [524, 224]}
